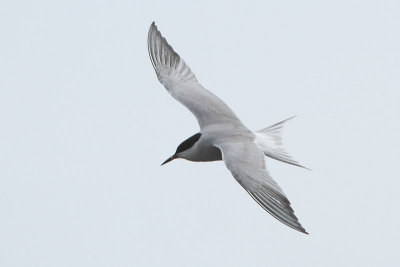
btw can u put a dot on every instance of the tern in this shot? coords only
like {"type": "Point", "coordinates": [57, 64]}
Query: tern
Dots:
{"type": "Point", "coordinates": [222, 135]}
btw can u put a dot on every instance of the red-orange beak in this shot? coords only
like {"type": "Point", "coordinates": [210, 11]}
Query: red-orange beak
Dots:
{"type": "Point", "coordinates": [169, 159]}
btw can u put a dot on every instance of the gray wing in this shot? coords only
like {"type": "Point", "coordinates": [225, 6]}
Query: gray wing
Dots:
{"type": "Point", "coordinates": [182, 84]}
{"type": "Point", "coordinates": [247, 163]}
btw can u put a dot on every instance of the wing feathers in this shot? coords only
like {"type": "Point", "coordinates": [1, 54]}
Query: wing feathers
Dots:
{"type": "Point", "coordinates": [283, 213]}
{"type": "Point", "coordinates": [182, 84]}
{"type": "Point", "coordinates": [246, 162]}
{"type": "Point", "coordinates": [163, 56]}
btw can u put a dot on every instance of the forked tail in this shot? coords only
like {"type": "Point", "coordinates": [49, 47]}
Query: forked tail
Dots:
{"type": "Point", "coordinates": [270, 140]}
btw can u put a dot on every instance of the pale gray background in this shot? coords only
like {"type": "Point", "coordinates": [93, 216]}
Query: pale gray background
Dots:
{"type": "Point", "coordinates": [85, 125]}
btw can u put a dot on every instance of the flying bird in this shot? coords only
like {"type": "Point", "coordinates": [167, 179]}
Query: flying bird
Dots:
{"type": "Point", "coordinates": [222, 135]}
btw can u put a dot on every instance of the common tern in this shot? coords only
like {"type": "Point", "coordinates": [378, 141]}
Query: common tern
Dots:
{"type": "Point", "coordinates": [222, 135]}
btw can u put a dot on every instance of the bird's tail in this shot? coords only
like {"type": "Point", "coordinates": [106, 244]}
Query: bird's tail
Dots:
{"type": "Point", "coordinates": [270, 140]}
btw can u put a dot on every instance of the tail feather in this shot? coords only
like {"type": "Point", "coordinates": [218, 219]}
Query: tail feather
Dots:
{"type": "Point", "coordinates": [270, 140]}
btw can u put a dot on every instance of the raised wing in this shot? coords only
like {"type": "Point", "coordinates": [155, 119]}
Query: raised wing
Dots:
{"type": "Point", "coordinates": [182, 84]}
{"type": "Point", "coordinates": [247, 163]}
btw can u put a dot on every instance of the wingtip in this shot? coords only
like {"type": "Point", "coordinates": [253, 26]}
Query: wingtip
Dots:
{"type": "Point", "coordinates": [307, 168]}
{"type": "Point", "coordinates": [153, 27]}
{"type": "Point", "coordinates": [300, 229]}
{"type": "Point", "coordinates": [291, 118]}
{"type": "Point", "coordinates": [301, 166]}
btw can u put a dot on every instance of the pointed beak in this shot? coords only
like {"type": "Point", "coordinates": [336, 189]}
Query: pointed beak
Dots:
{"type": "Point", "coordinates": [169, 159]}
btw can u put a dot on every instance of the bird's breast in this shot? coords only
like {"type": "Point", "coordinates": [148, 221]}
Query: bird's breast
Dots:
{"type": "Point", "coordinates": [203, 151]}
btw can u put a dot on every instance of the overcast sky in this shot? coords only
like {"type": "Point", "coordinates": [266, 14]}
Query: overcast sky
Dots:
{"type": "Point", "coordinates": [85, 124]}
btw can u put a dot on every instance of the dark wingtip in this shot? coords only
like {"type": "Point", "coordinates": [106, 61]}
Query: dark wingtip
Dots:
{"type": "Point", "coordinates": [301, 166]}
{"type": "Point", "coordinates": [152, 27]}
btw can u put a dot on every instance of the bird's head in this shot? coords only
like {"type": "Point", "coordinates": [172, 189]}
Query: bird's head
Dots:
{"type": "Point", "coordinates": [184, 149]}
